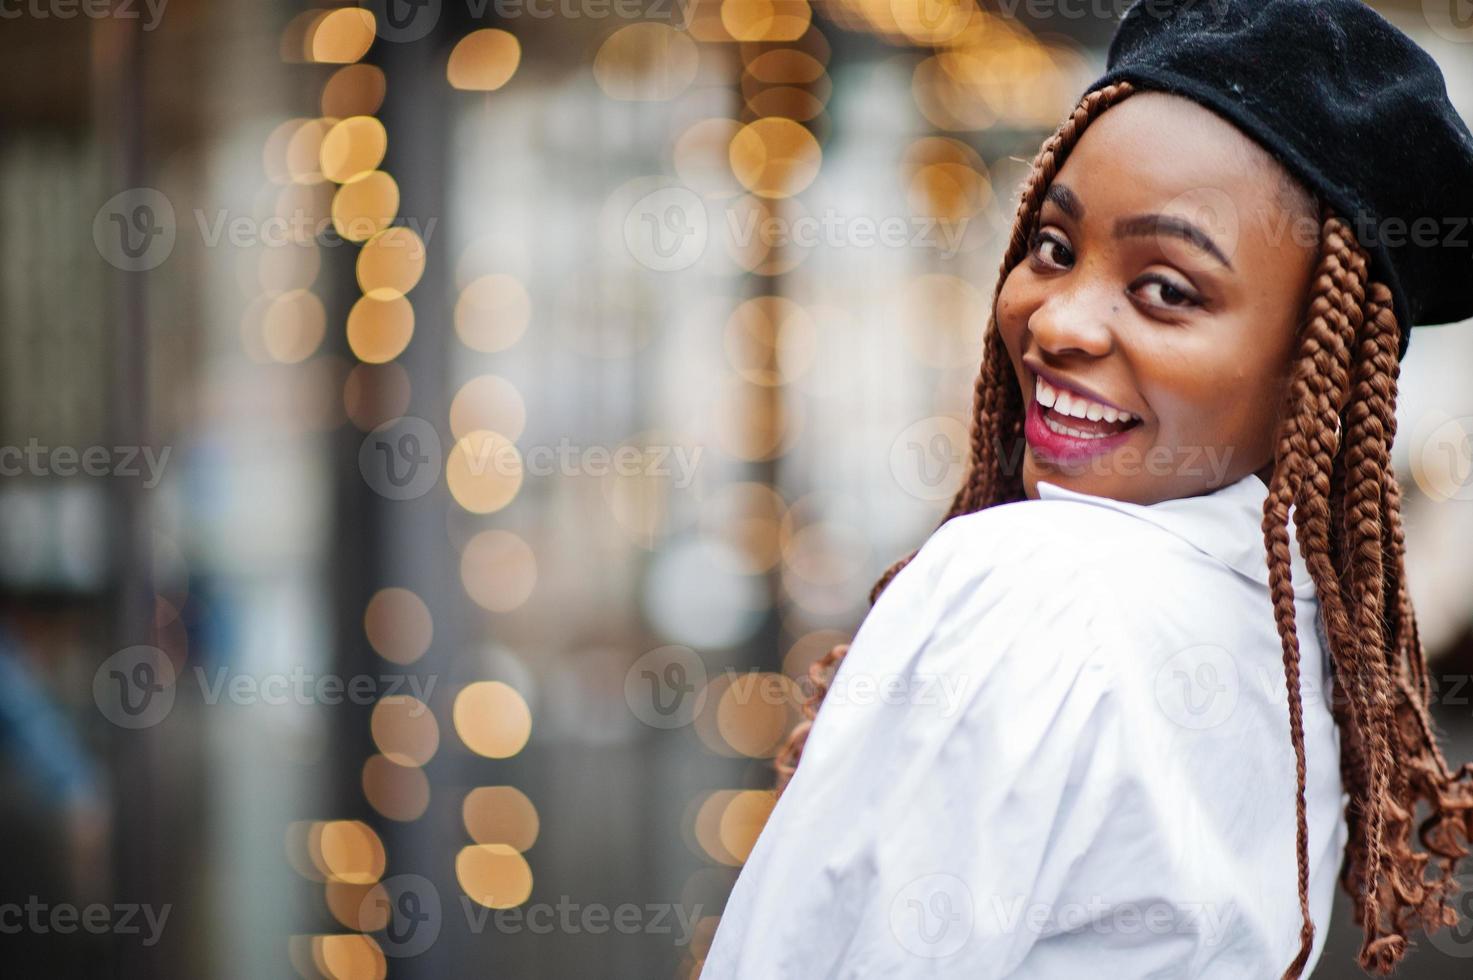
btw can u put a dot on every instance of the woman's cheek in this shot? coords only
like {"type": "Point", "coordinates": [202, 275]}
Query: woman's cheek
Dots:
{"type": "Point", "coordinates": [1009, 312]}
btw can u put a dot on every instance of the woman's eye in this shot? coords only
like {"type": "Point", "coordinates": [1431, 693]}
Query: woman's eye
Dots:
{"type": "Point", "coordinates": [1050, 249]}
{"type": "Point", "coordinates": [1160, 291]}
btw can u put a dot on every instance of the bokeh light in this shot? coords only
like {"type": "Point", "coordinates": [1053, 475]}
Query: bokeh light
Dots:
{"type": "Point", "coordinates": [364, 908]}
{"type": "Point", "coordinates": [405, 730]}
{"type": "Point", "coordinates": [353, 90]}
{"type": "Point", "coordinates": [398, 792]}
{"type": "Point", "coordinates": [365, 207]}
{"type": "Point", "coordinates": [492, 313]}
{"type": "Point", "coordinates": [500, 815]}
{"type": "Point", "coordinates": [375, 393]}
{"type": "Point", "coordinates": [349, 957]}
{"type": "Point", "coordinates": [493, 875]}
{"type": "Point", "coordinates": [379, 330]}
{"type": "Point", "coordinates": [756, 711]}
{"type": "Point", "coordinates": [352, 148]}
{"type": "Point", "coordinates": [492, 719]}
{"type": "Point", "coordinates": [775, 157]}
{"type": "Point", "coordinates": [346, 850]}
{"type": "Point", "coordinates": [341, 36]}
{"type": "Point", "coordinates": [391, 263]}
{"type": "Point", "coordinates": [498, 570]}
{"type": "Point", "coordinates": [488, 401]}
{"type": "Point", "coordinates": [398, 625]}
{"type": "Point", "coordinates": [292, 326]}
{"type": "Point", "coordinates": [484, 471]}
{"type": "Point", "coordinates": [484, 60]}
{"type": "Point", "coordinates": [645, 62]}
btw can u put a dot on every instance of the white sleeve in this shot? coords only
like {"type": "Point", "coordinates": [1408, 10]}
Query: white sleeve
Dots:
{"type": "Point", "coordinates": [963, 759]}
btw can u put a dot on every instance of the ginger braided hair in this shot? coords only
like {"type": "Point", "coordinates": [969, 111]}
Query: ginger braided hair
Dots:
{"type": "Point", "coordinates": [1332, 465]}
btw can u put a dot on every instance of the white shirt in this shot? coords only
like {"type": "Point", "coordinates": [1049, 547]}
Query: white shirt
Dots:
{"type": "Point", "coordinates": [1058, 747]}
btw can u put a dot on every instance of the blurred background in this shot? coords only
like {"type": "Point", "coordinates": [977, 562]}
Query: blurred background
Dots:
{"type": "Point", "coordinates": [438, 433]}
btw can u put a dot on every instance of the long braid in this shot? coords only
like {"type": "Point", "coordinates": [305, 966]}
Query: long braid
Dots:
{"type": "Point", "coordinates": [1372, 426]}
{"type": "Point", "coordinates": [1332, 476]}
{"type": "Point", "coordinates": [1307, 442]}
{"type": "Point", "coordinates": [1354, 614]}
{"type": "Point", "coordinates": [1346, 508]}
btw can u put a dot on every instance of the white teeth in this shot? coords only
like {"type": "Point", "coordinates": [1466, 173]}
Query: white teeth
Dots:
{"type": "Point", "coordinates": [1067, 403]}
{"type": "Point", "coordinates": [1069, 430]}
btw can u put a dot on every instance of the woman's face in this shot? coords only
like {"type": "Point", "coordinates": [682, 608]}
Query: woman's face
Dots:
{"type": "Point", "coordinates": [1167, 280]}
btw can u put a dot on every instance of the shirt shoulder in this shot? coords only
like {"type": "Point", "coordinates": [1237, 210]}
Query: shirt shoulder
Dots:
{"type": "Point", "coordinates": [1058, 532]}
{"type": "Point", "coordinates": [1030, 553]}
{"type": "Point", "coordinates": [1069, 583]}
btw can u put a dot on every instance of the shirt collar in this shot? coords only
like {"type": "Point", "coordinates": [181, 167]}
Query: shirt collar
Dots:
{"type": "Point", "coordinates": [1226, 524]}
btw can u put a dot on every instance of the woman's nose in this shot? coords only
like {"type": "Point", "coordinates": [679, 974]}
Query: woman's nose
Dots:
{"type": "Point", "coordinates": [1075, 320]}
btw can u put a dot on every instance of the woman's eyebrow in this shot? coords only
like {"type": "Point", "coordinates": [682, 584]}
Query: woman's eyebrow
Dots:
{"type": "Point", "coordinates": [1066, 201]}
{"type": "Point", "coordinates": [1146, 225]}
{"type": "Point", "coordinates": [1140, 225]}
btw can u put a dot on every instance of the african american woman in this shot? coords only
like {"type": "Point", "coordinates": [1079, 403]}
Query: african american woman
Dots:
{"type": "Point", "coordinates": [1169, 599]}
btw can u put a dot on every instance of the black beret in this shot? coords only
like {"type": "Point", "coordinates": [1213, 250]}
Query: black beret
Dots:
{"type": "Point", "coordinates": [1348, 104]}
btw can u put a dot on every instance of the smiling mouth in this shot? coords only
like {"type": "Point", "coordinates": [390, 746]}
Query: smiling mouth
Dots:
{"type": "Point", "coordinates": [1069, 414]}
{"type": "Point", "coordinates": [1068, 425]}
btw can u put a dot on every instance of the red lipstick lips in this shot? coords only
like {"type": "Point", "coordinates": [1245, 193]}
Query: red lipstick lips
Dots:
{"type": "Point", "coordinates": [1060, 447]}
